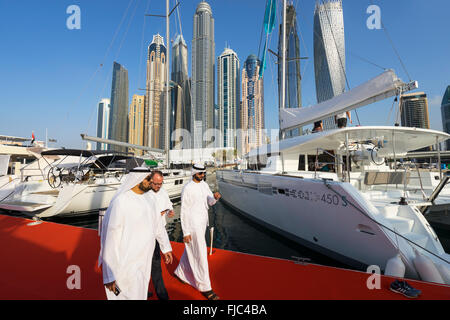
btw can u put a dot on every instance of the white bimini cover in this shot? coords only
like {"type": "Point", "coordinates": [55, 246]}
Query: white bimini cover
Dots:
{"type": "Point", "coordinates": [381, 87]}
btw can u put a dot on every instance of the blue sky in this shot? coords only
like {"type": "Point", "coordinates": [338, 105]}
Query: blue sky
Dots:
{"type": "Point", "coordinates": [51, 76]}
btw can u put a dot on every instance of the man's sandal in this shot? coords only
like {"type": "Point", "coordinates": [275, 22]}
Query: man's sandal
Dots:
{"type": "Point", "coordinates": [210, 295]}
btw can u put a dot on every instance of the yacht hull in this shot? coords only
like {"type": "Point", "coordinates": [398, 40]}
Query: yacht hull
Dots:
{"type": "Point", "coordinates": [310, 213]}
{"type": "Point", "coordinates": [76, 199]}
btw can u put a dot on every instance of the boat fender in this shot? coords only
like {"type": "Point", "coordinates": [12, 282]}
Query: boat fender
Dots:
{"type": "Point", "coordinates": [445, 272]}
{"type": "Point", "coordinates": [426, 268]}
{"type": "Point", "coordinates": [395, 267]}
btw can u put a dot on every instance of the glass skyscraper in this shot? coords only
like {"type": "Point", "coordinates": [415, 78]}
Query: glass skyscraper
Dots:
{"type": "Point", "coordinates": [445, 112]}
{"type": "Point", "coordinates": [329, 52]}
{"type": "Point", "coordinates": [252, 106]}
{"type": "Point", "coordinates": [118, 118]}
{"type": "Point", "coordinates": [203, 57]}
{"type": "Point", "coordinates": [293, 92]}
{"type": "Point", "coordinates": [180, 77]}
{"type": "Point", "coordinates": [104, 107]}
{"type": "Point", "coordinates": [228, 85]}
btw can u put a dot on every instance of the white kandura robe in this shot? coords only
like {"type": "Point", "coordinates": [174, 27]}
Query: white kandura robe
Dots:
{"type": "Point", "coordinates": [193, 267]}
{"type": "Point", "coordinates": [131, 226]}
{"type": "Point", "coordinates": [162, 201]}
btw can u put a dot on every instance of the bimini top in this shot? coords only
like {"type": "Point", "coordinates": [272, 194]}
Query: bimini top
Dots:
{"type": "Point", "coordinates": [387, 138]}
{"type": "Point", "coordinates": [381, 87]}
{"type": "Point", "coordinates": [77, 152]}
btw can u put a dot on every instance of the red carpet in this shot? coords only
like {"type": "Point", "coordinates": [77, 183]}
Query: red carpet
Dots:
{"type": "Point", "coordinates": [35, 262]}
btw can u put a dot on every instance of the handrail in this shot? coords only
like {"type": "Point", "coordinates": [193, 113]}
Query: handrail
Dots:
{"type": "Point", "coordinates": [332, 155]}
{"type": "Point", "coordinates": [420, 180]}
{"type": "Point", "coordinates": [328, 185]}
{"type": "Point", "coordinates": [9, 181]}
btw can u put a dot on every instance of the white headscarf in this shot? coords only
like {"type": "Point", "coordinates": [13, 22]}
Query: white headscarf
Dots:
{"type": "Point", "coordinates": [133, 178]}
{"type": "Point", "coordinates": [197, 168]}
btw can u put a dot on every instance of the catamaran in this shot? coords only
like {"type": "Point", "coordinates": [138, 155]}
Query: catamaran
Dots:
{"type": "Point", "coordinates": [343, 192]}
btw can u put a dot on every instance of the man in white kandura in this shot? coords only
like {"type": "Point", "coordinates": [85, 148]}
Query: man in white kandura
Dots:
{"type": "Point", "coordinates": [165, 207]}
{"type": "Point", "coordinates": [196, 198]}
{"type": "Point", "coordinates": [129, 229]}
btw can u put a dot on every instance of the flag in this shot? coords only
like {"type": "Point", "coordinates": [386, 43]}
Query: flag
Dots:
{"type": "Point", "coordinates": [269, 24]}
{"type": "Point", "coordinates": [32, 138]}
{"type": "Point", "coordinates": [262, 67]}
{"type": "Point", "coordinates": [269, 16]}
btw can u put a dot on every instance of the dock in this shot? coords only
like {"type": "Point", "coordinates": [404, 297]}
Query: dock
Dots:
{"type": "Point", "coordinates": [41, 260]}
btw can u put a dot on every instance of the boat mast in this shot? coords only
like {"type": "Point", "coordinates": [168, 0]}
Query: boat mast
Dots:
{"type": "Point", "coordinates": [167, 148]}
{"type": "Point", "coordinates": [283, 66]}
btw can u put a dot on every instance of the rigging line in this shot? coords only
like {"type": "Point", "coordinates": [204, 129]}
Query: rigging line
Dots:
{"type": "Point", "coordinates": [98, 99]}
{"type": "Point", "coordinates": [120, 46]}
{"type": "Point", "coordinates": [395, 50]}
{"type": "Point", "coordinates": [83, 90]}
{"type": "Point", "coordinates": [179, 18]}
{"type": "Point", "coordinates": [128, 27]}
{"type": "Point", "coordinates": [117, 31]}
{"type": "Point", "coordinates": [368, 61]}
{"type": "Point", "coordinates": [390, 111]}
{"type": "Point", "coordinates": [304, 43]}
{"type": "Point", "coordinates": [272, 77]}
{"type": "Point", "coordinates": [95, 73]}
{"type": "Point", "coordinates": [142, 43]}
{"type": "Point", "coordinates": [103, 60]}
{"type": "Point", "coordinates": [382, 225]}
{"type": "Point", "coordinates": [393, 47]}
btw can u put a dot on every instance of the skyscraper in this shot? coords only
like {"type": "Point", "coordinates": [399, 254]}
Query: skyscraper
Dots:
{"type": "Point", "coordinates": [414, 110]}
{"type": "Point", "coordinates": [180, 77]}
{"type": "Point", "coordinates": [136, 122]}
{"type": "Point", "coordinates": [202, 74]}
{"type": "Point", "coordinates": [252, 106]}
{"type": "Point", "coordinates": [445, 112]}
{"type": "Point", "coordinates": [329, 52]}
{"type": "Point", "coordinates": [104, 107]}
{"type": "Point", "coordinates": [118, 118]}
{"type": "Point", "coordinates": [176, 121]}
{"type": "Point", "coordinates": [156, 77]}
{"type": "Point", "coordinates": [293, 92]}
{"type": "Point", "coordinates": [228, 96]}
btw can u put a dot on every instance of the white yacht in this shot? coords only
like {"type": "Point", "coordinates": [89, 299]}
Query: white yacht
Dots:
{"type": "Point", "coordinates": [65, 182]}
{"type": "Point", "coordinates": [31, 175]}
{"type": "Point", "coordinates": [74, 182]}
{"type": "Point", "coordinates": [342, 192]}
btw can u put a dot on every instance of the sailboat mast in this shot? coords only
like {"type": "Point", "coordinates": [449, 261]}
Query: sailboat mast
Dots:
{"type": "Point", "coordinates": [167, 148]}
{"type": "Point", "coordinates": [283, 65]}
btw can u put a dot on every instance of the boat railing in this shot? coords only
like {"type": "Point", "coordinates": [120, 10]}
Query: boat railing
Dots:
{"type": "Point", "coordinates": [8, 182]}
{"type": "Point", "coordinates": [339, 161]}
